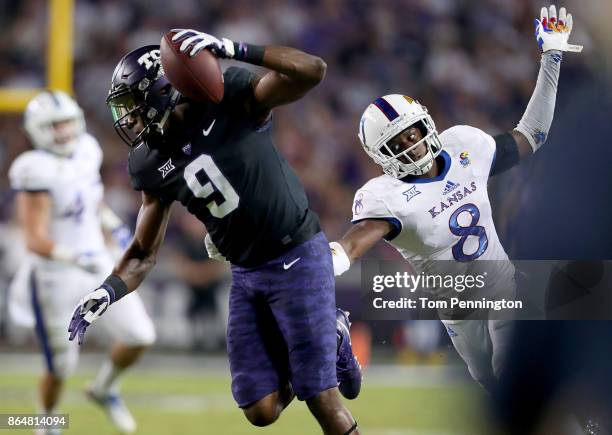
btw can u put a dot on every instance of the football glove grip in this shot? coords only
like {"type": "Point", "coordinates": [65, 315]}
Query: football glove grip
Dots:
{"type": "Point", "coordinates": [552, 33]}
{"type": "Point", "coordinates": [93, 305]}
{"type": "Point", "coordinates": [88, 310]}
{"type": "Point", "coordinates": [195, 42]}
{"type": "Point", "coordinates": [341, 261]}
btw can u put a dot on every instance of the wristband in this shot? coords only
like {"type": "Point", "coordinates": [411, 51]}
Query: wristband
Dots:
{"type": "Point", "coordinates": [341, 261]}
{"type": "Point", "coordinates": [116, 287]}
{"type": "Point", "coordinates": [249, 53]}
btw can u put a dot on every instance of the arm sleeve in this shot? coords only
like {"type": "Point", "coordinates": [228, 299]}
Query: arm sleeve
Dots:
{"type": "Point", "coordinates": [538, 116]}
{"type": "Point", "coordinates": [367, 206]}
{"type": "Point", "coordinates": [506, 153]}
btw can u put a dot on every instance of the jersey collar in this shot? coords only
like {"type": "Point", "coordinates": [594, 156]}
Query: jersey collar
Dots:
{"type": "Point", "coordinates": [417, 180]}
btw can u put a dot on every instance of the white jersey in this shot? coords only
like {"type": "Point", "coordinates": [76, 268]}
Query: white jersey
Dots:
{"type": "Point", "coordinates": [76, 191]}
{"type": "Point", "coordinates": [443, 218]}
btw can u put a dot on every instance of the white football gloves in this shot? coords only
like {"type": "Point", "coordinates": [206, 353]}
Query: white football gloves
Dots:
{"type": "Point", "coordinates": [197, 41]}
{"type": "Point", "coordinates": [552, 33]}
{"type": "Point", "coordinates": [88, 310]}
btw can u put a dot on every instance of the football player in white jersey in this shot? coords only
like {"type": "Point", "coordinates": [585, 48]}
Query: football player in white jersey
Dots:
{"type": "Point", "coordinates": [62, 216]}
{"type": "Point", "coordinates": [432, 201]}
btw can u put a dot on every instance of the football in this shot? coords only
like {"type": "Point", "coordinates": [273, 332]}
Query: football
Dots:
{"type": "Point", "coordinates": [198, 77]}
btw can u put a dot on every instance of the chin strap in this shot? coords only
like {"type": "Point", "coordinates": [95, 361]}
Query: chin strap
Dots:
{"type": "Point", "coordinates": [159, 126]}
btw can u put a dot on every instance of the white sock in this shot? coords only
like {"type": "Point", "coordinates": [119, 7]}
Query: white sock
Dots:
{"type": "Point", "coordinates": [108, 378]}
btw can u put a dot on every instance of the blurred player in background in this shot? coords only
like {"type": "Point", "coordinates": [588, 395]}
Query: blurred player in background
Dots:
{"type": "Point", "coordinates": [61, 213]}
{"type": "Point", "coordinates": [285, 337]}
{"type": "Point", "coordinates": [432, 202]}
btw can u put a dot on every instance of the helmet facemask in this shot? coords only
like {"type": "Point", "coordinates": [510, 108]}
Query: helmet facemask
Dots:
{"type": "Point", "coordinates": [400, 164]}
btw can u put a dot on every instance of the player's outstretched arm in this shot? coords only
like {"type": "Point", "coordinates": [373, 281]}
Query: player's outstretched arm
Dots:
{"type": "Point", "coordinates": [293, 72]}
{"type": "Point", "coordinates": [552, 34]}
{"type": "Point", "coordinates": [356, 241]}
{"type": "Point", "coordinates": [134, 266]}
{"type": "Point", "coordinates": [139, 257]}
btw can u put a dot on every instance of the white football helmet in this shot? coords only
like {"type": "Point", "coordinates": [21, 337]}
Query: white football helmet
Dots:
{"type": "Point", "coordinates": [387, 117]}
{"type": "Point", "coordinates": [41, 115]}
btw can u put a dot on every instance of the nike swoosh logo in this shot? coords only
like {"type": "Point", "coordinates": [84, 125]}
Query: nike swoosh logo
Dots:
{"type": "Point", "coordinates": [287, 266]}
{"type": "Point", "coordinates": [206, 131]}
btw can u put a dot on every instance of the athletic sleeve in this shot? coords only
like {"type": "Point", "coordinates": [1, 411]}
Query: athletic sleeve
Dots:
{"type": "Point", "coordinates": [506, 153]}
{"type": "Point", "coordinates": [30, 173]}
{"type": "Point", "coordinates": [368, 206]}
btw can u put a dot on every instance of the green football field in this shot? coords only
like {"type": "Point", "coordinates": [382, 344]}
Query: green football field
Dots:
{"type": "Point", "coordinates": [175, 403]}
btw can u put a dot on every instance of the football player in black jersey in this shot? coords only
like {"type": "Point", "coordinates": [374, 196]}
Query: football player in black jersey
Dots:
{"type": "Point", "coordinates": [285, 337]}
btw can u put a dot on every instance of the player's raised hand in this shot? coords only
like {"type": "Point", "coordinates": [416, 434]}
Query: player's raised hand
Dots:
{"type": "Point", "coordinates": [552, 32]}
{"type": "Point", "coordinates": [88, 310]}
{"type": "Point", "coordinates": [197, 41]}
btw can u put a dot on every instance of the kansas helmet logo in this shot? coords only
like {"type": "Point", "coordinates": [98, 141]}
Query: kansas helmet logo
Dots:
{"type": "Point", "coordinates": [464, 159]}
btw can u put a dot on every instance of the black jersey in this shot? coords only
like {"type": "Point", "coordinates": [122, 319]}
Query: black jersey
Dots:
{"type": "Point", "coordinates": [229, 174]}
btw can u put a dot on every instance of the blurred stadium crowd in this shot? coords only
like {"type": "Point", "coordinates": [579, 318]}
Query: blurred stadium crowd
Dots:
{"type": "Point", "coordinates": [469, 62]}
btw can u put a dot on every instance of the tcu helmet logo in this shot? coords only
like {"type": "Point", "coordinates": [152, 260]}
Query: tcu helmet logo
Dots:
{"type": "Point", "coordinates": [149, 59]}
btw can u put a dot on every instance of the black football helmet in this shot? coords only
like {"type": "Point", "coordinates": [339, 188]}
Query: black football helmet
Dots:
{"type": "Point", "coordinates": [139, 89]}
